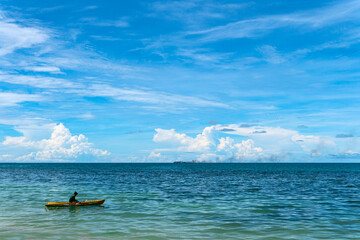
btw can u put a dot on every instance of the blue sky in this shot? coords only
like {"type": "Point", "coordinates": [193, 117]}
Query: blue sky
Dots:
{"type": "Point", "coordinates": [160, 81]}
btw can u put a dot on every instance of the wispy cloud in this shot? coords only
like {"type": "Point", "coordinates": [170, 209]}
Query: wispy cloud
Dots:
{"type": "Point", "coordinates": [38, 81]}
{"type": "Point", "coordinates": [91, 7]}
{"type": "Point", "coordinates": [149, 97]}
{"type": "Point", "coordinates": [194, 13]}
{"type": "Point", "coordinates": [188, 43]}
{"type": "Point", "coordinates": [47, 9]}
{"type": "Point", "coordinates": [120, 23]}
{"type": "Point", "coordinates": [271, 55]}
{"type": "Point", "coordinates": [318, 18]}
{"type": "Point", "coordinates": [202, 56]}
{"type": "Point", "coordinates": [8, 99]}
{"type": "Point", "coordinates": [348, 39]}
{"type": "Point", "coordinates": [14, 36]}
{"type": "Point", "coordinates": [49, 69]}
{"type": "Point", "coordinates": [105, 38]}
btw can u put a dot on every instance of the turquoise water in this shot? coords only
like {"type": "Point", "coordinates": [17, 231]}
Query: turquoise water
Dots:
{"type": "Point", "coordinates": [182, 201]}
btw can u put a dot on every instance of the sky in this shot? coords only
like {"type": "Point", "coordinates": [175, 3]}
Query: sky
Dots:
{"type": "Point", "coordinates": [164, 81]}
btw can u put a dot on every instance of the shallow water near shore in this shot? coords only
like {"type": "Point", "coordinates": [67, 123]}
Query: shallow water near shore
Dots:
{"type": "Point", "coordinates": [181, 201]}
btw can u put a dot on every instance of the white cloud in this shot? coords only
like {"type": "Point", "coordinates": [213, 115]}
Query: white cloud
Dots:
{"type": "Point", "coordinates": [54, 53]}
{"type": "Point", "coordinates": [194, 13]}
{"type": "Point", "coordinates": [56, 56]}
{"type": "Point", "coordinates": [120, 23]}
{"type": "Point", "coordinates": [61, 146]}
{"type": "Point", "coordinates": [202, 56]}
{"type": "Point", "coordinates": [25, 121]}
{"type": "Point", "coordinates": [34, 129]}
{"type": "Point", "coordinates": [271, 55]}
{"type": "Point", "coordinates": [276, 139]}
{"type": "Point", "coordinates": [86, 116]}
{"type": "Point", "coordinates": [258, 26]}
{"type": "Point", "coordinates": [154, 156]}
{"type": "Point", "coordinates": [247, 150]}
{"type": "Point", "coordinates": [8, 99]}
{"type": "Point", "coordinates": [5, 158]}
{"type": "Point", "coordinates": [209, 147]}
{"type": "Point", "coordinates": [105, 38]}
{"type": "Point", "coordinates": [49, 69]}
{"type": "Point", "coordinates": [148, 96]}
{"type": "Point", "coordinates": [144, 96]}
{"type": "Point", "coordinates": [38, 81]}
{"type": "Point", "coordinates": [346, 154]}
{"type": "Point", "coordinates": [260, 143]}
{"type": "Point", "coordinates": [313, 144]}
{"type": "Point", "coordinates": [20, 141]}
{"type": "Point", "coordinates": [200, 143]}
{"type": "Point", "coordinates": [244, 150]}
{"type": "Point", "coordinates": [91, 7]}
{"type": "Point", "coordinates": [14, 36]}
{"type": "Point", "coordinates": [209, 157]}
{"type": "Point", "coordinates": [255, 131]}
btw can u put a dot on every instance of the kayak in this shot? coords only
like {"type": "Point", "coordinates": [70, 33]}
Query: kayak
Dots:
{"type": "Point", "coordinates": [68, 204]}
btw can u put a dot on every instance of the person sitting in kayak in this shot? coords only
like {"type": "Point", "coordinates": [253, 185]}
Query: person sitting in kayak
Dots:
{"type": "Point", "coordinates": [73, 199]}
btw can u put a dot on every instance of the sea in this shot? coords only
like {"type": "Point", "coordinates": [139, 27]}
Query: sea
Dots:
{"type": "Point", "coordinates": [181, 201]}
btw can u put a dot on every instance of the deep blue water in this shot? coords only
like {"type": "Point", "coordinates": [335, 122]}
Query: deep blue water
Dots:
{"type": "Point", "coordinates": [182, 201]}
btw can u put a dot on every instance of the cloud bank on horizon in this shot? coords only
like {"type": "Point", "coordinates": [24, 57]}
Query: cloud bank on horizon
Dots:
{"type": "Point", "coordinates": [239, 81]}
{"type": "Point", "coordinates": [272, 145]}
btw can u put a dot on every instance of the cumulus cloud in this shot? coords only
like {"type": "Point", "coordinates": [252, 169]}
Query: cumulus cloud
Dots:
{"type": "Point", "coordinates": [61, 146]}
{"type": "Point", "coordinates": [202, 142]}
{"type": "Point", "coordinates": [276, 139]}
{"type": "Point", "coordinates": [314, 144]}
{"type": "Point", "coordinates": [245, 150]}
{"type": "Point", "coordinates": [250, 143]}
{"type": "Point", "coordinates": [209, 146]}
{"type": "Point", "coordinates": [154, 156]}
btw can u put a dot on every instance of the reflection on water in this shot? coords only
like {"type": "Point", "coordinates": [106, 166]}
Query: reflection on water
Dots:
{"type": "Point", "coordinates": [72, 209]}
{"type": "Point", "coordinates": [182, 201]}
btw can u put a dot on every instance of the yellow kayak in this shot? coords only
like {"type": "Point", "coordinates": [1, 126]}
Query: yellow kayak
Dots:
{"type": "Point", "coordinates": [67, 204]}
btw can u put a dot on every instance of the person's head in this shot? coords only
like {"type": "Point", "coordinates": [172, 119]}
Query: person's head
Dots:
{"type": "Point", "coordinates": [75, 193]}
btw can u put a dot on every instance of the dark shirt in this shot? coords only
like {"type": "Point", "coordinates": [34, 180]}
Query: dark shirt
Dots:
{"type": "Point", "coordinates": [72, 199]}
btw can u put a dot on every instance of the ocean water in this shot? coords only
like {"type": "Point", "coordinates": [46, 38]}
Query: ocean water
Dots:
{"type": "Point", "coordinates": [181, 201]}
